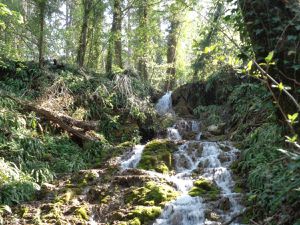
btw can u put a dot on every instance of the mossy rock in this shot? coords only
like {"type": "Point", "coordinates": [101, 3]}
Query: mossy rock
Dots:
{"type": "Point", "coordinates": [151, 194]}
{"type": "Point", "coordinates": [158, 156]}
{"type": "Point", "coordinates": [204, 188]}
{"type": "Point", "coordinates": [144, 214]}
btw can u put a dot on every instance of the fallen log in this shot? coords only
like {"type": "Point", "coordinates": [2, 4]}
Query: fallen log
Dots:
{"type": "Point", "coordinates": [65, 122]}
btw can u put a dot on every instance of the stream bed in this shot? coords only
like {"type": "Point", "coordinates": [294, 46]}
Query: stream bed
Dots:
{"type": "Point", "coordinates": [195, 159]}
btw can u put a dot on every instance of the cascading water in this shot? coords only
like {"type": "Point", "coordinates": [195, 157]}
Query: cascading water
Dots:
{"type": "Point", "coordinates": [164, 104]}
{"type": "Point", "coordinates": [194, 159]}
{"type": "Point", "coordinates": [133, 161]}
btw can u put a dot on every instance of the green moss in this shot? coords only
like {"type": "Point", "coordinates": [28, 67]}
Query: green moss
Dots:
{"type": "Point", "coordinates": [24, 210]}
{"type": "Point", "coordinates": [204, 188]}
{"type": "Point", "coordinates": [135, 221]}
{"type": "Point", "coordinates": [82, 212]}
{"type": "Point", "coordinates": [151, 194]}
{"type": "Point", "coordinates": [158, 156]}
{"type": "Point", "coordinates": [145, 214]}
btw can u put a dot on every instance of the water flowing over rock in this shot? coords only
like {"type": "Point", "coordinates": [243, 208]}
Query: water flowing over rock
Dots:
{"type": "Point", "coordinates": [201, 166]}
{"type": "Point", "coordinates": [164, 104]}
{"type": "Point", "coordinates": [134, 159]}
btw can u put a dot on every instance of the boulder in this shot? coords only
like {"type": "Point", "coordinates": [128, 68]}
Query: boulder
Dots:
{"type": "Point", "coordinates": [187, 97]}
{"type": "Point", "coordinates": [216, 129]}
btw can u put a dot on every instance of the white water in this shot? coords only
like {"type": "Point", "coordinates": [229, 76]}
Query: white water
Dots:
{"type": "Point", "coordinates": [194, 159]}
{"type": "Point", "coordinates": [164, 104]}
{"type": "Point", "coordinates": [133, 161]}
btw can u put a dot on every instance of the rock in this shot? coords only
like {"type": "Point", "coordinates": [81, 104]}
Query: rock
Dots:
{"type": "Point", "coordinates": [182, 108]}
{"type": "Point", "coordinates": [225, 147]}
{"type": "Point", "coordinates": [223, 157]}
{"type": "Point", "coordinates": [96, 194]}
{"type": "Point", "coordinates": [132, 180]}
{"type": "Point", "coordinates": [47, 187]}
{"type": "Point", "coordinates": [185, 98]}
{"type": "Point", "coordinates": [205, 188]}
{"type": "Point", "coordinates": [214, 129]}
{"type": "Point", "coordinates": [224, 204]}
{"type": "Point", "coordinates": [48, 191]}
{"type": "Point", "coordinates": [158, 156]}
{"type": "Point", "coordinates": [212, 216]}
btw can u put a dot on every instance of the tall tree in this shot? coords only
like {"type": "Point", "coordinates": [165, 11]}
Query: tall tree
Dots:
{"type": "Point", "coordinates": [87, 5]}
{"type": "Point", "coordinates": [171, 52]}
{"type": "Point", "coordinates": [95, 34]}
{"type": "Point", "coordinates": [114, 53]}
{"type": "Point", "coordinates": [41, 7]}
{"type": "Point", "coordinates": [143, 38]}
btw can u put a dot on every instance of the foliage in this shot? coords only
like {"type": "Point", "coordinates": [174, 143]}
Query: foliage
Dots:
{"type": "Point", "coordinates": [15, 185]}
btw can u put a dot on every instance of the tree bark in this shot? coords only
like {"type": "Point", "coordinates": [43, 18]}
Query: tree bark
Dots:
{"type": "Point", "coordinates": [171, 54]}
{"type": "Point", "coordinates": [84, 29]}
{"type": "Point", "coordinates": [114, 53]}
{"type": "Point", "coordinates": [41, 42]}
{"type": "Point", "coordinates": [144, 39]}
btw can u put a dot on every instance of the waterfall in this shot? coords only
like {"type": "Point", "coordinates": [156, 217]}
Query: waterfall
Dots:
{"type": "Point", "coordinates": [133, 161]}
{"type": "Point", "coordinates": [164, 105]}
{"type": "Point", "coordinates": [194, 159]}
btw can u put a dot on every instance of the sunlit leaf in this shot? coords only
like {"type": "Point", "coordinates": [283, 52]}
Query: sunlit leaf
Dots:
{"type": "Point", "coordinates": [280, 86]}
{"type": "Point", "coordinates": [269, 58]}
{"type": "Point", "coordinates": [292, 139]}
{"type": "Point", "coordinates": [293, 118]}
{"type": "Point", "coordinates": [249, 65]}
{"type": "Point", "coordinates": [209, 49]}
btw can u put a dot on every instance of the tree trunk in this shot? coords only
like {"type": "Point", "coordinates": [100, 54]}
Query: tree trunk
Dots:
{"type": "Point", "coordinates": [171, 54]}
{"type": "Point", "coordinates": [41, 44]}
{"type": "Point", "coordinates": [114, 53]}
{"type": "Point", "coordinates": [83, 36]}
{"type": "Point", "coordinates": [144, 39]}
{"type": "Point", "coordinates": [95, 44]}
{"type": "Point", "coordinates": [273, 25]}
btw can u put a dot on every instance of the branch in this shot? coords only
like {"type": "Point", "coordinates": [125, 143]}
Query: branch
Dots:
{"type": "Point", "coordinates": [65, 122]}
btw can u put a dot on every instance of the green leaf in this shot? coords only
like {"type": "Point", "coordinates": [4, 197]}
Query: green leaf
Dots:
{"type": "Point", "coordinates": [249, 66]}
{"type": "Point", "coordinates": [263, 64]}
{"type": "Point", "coordinates": [293, 118]}
{"type": "Point", "coordinates": [292, 139]}
{"type": "Point", "coordinates": [269, 58]}
{"type": "Point", "coordinates": [209, 49]}
{"type": "Point", "coordinates": [280, 86]}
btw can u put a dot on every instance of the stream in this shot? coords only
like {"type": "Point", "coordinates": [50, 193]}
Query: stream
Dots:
{"type": "Point", "coordinates": [195, 159]}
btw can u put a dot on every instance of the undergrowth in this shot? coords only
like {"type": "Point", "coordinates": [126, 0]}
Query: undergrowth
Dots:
{"type": "Point", "coordinates": [34, 150]}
